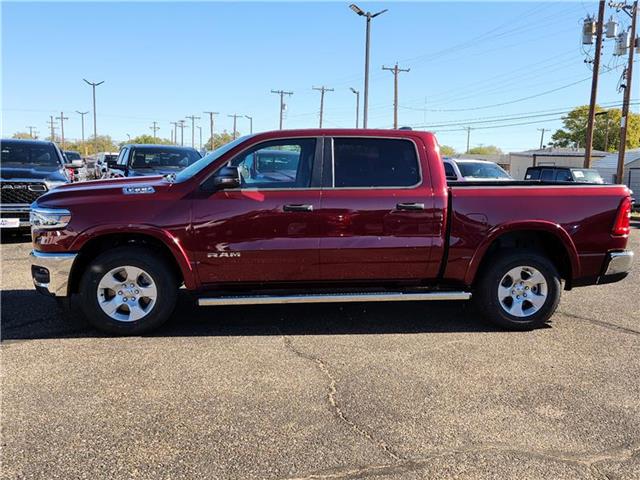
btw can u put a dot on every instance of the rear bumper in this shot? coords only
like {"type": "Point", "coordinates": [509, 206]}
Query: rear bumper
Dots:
{"type": "Point", "coordinates": [17, 210]}
{"type": "Point", "coordinates": [51, 272]}
{"type": "Point", "coordinates": [617, 266]}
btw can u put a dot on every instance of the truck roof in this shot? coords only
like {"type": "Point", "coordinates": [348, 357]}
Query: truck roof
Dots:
{"type": "Point", "coordinates": [26, 141]}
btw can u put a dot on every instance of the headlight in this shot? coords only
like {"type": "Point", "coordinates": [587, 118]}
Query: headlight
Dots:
{"type": "Point", "coordinates": [49, 218]}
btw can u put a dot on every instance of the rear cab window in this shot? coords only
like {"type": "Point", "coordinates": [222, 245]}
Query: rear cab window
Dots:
{"type": "Point", "coordinates": [374, 163]}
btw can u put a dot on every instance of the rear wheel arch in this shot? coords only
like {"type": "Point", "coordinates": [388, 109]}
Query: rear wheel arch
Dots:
{"type": "Point", "coordinates": [549, 242]}
{"type": "Point", "coordinates": [100, 244]}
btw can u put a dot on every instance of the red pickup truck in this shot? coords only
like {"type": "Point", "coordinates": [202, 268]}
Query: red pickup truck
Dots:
{"type": "Point", "coordinates": [340, 216]}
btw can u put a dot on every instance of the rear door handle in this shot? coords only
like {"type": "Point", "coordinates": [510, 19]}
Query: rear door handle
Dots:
{"type": "Point", "coordinates": [298, 207]}
{"type": "Point", "coordinates": [410, 206]}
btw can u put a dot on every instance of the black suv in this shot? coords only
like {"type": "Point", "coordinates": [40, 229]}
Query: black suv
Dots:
{"type": "Point", "coordinates": [550, 173]}
{"type": "Point", "coordinates": [145, 159]}
{"type": "Point", "coordinates": [28, 169]}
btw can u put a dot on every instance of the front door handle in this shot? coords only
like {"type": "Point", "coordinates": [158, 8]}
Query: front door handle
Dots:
{"type": "Point", "coordinates": [410, 206]}
{"type": "Point", "coordinates": [298, 207]}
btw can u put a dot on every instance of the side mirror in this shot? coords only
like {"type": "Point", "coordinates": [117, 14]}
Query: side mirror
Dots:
{"type": "Point", "coordinates": [227, 177]}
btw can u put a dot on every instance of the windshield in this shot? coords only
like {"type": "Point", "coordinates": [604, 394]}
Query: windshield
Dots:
{"type": "Point", "coordinates": [29, 154]}
{"type": "Point", "coordinates": [163, 158]}
{"type": "Point", "coordinates": [481, 170]}
{"type": "Point", "coordinates": [208, 159]}
{"type": "Point", "coordinates": [72, 155]}
{"type": "Point", "coordinates": [588, 176]}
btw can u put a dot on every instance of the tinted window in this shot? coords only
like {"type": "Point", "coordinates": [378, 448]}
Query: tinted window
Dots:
{"type": "Point", "coordinates": [563, 176]}
{"type": "Point", "coordinates": [373, 162]}
{"type": "Point", "coordinates": [547, 174]}
{"type": "Point", "coordinates": [277, 164]}
{"type": "Point", "coordinates": [532, 174]}
{"type": "Point", "coordinates": [448, 171]}
{"type": "Point", "coordinates": [481, 170]}
{"type": "Point", "coordinates": [162, 158]}
{"type": "Point", "coordinates": [29, 154]}
{"type": "Point", "coordinates": [73, 155]}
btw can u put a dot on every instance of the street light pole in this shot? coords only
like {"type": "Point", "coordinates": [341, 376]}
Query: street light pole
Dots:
{"type": "Point", "coordinates": [84, 145]}
{"type": "Point", "coordinates": [193, 119]}
{"type": "Point", "coordinates": [250, 123]}
{"type": "Point", "coordinates": [357, 93]}
{"type": "Point", "coordinates": [369, 16]}
{"type": "Point", "coordinates": [93, 86]}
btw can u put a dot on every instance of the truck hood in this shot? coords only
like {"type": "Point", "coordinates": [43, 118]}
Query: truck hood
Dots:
{"type": "Point", "coordinates": [109, 189]}
{"type": "Point", "coordinates": [34, 172]}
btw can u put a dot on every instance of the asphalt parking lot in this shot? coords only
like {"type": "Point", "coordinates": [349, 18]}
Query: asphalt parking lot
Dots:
{"type": "Point", "coordinates": [329, 391]}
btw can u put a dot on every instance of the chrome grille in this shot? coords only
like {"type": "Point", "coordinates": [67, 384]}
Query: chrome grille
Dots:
{"type": "Point", "coordinates": [21, 192]}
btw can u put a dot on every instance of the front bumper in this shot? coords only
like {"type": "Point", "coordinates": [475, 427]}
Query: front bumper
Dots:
{"type": "Point", "coordinates": [617, 266]}
{"type": "Point", "coordinates": [51, 272]}
{"type": "Point", "coordinates": [18, 210]}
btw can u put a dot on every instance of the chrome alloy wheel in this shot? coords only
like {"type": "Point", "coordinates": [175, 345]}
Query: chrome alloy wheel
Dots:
{"type": "Point", "coordinates": [127, 293]}
{"type": "Point", "coordinates": [522, 291]}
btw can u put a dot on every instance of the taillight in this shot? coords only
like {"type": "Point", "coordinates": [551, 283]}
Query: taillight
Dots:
{"type": "Point", "coordinates": [622, 225]}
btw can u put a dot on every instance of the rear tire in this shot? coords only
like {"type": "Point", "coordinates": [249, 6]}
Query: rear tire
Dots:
{"type": "Point", "coordinates": [128, 291]}
{"type": "Point", "coordinates": [518, 290]}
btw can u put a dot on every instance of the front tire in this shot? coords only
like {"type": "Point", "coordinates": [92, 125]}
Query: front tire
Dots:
{"type": "Point", "coordinates": [128, 291]}
{"type": "Point", "coordinates": [518, 290]}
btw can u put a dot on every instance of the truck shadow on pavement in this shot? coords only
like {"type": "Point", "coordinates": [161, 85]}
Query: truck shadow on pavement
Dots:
{"type": "Point", "coordinates": [27, 315]}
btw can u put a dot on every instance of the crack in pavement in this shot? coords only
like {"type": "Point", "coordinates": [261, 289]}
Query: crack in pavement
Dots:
{"type": "Point", "coordinates": [611, 326]}
{"type": "Point", "coordinates": [590, 462]}
{"type": "Point", "coordinates": [333, 401]}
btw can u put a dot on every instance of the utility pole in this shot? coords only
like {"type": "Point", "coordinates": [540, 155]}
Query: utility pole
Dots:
{"type": "Point", "coordinates": [211, 115]}
{"type": "Point", "coordinates": [369, 16]}
{"type": "Point", "coordinates": [322, 91]}
{"type": "Point", "coordinates": [155, 128]}
{"type": "Point", "coordinates": [631, 10]}
{"type": "Point", "coordinates": [93, 86]}
{"type": "Point", "coordinates": [542, 130]}
{"type": "Point", "coordinates": [31, 128]}
{"type": "Point", "coordinates": [282, 93]}
{"type": "Point", "coordinates": [62, 118]}
{"type": "Point", "coordinates": [193, 119]}
{"type": "Point", "coordinates": [235, 122]}
{"type": "Point", "coordinates": [181, 124]}
{"type": "Point", "coordinates": [250, 123]}
{"type": "Point", "coordinates": [171, 136]}
{"type": "Point", "coordinates": [52, 127]}
{"type": "Point", "coordinates": [594, 85]}
{"type": "Point", "coordinates": [84, 145]}
{"type": "Point", "coordinates": [468, 129]}
{"type": "Point", "coordinates": [357, 93]}
{"type": "Point", "coordinates": [396, 71]}
{"type": "Point", "coordinates": [175, 132]}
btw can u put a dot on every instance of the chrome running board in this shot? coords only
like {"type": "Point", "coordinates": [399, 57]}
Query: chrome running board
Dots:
{"type": "Point", "coordinates": [333, 298]}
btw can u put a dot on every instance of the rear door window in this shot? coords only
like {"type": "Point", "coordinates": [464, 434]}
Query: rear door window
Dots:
{"type": "Point", "coordinates": [563, 176]}
{"type": "Point", "coordinates": [374, 162]}
{"type": "Point", "coordinates": [533, 174]}
{"type": "Point", "coordinates": [449, 171]}
{"type": "Point", "coordinates": [547, 174]}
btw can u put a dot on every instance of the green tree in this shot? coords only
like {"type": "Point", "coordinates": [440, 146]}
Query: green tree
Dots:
{"type": "Point", "coordinates": [145, 138]}
{"type": "Point", "coordinates": [447, 151]}
{"type": "Point", "coordinates": [606, 132]}
{"type": "Point", "coordinates": [220, 139]}
{"type": "Point", "coordinates": [485, 150]}
{"type": "Point", "coordinates": [23, 135]}
{"type": "Point", "coordinates": [104, 143]}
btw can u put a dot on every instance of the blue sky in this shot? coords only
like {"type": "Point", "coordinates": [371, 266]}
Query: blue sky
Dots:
{"type": "Point", "coordinates": [162, 61]}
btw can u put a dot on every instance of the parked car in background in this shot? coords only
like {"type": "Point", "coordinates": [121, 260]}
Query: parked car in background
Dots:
{"type": "Point", "coordinates": [101, 165]}
{"type": "Point", "coordinates": [74, 164]}
{"type": "Point", "coordinates": [367, 216]}
{"type": "Point", "coordinates": [469, 170]}
{"type": "Point", "coordinates": [28, 169]}
{"type": "Point", "coordinates": [269, 165]}
{"type": "Point", "coordinates": [563, 174]}
{"type": "Point", "coordinates": [144, 160]}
